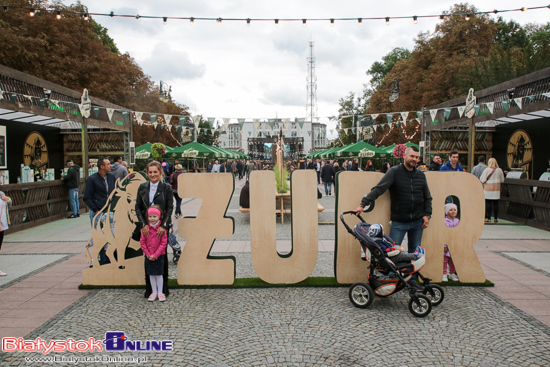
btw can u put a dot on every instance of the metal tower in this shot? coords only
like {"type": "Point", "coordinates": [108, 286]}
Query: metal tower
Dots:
{"type": "Point", "coordinates": [311, 106]}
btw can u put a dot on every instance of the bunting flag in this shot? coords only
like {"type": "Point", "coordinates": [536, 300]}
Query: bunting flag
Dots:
{"type": "Point", "coordinates": [153, 117]}
{"type": "Point", "coordinates": [547, 95]}
{"type": "Point", "coordinates": [286, 123]}
{"type": "Point", "coordinates": [167, 119]}
{"type": "Point", "coordinates": [446, 112]}
{"type": "Point", "coordinates": [211, 121]}
{"type": "Point", "coordinates": [241, 123]}
{"type": "Point", "coordinates": [433, 113]}
{"type": "Point", "coordinates": [258, 133]}
{"type": "Point", "coordinates": [461, 110]}
{"type": "Point", "coordinates": [491, 106]}
{"type": "Point", "coordinates": [155, 124]}
{"type": "Point", "coordinates": [519, 102]}
{"type": "Point", "coordinates": [212, 131]}
{"type": "Point", "coordinates": [41, 101]}
{"type": "Point", "coordinates": [226, 123]}
{"type": "Point", "coordinates": [271, 123]}
{"type": "Point", "coordinates": [196, 121]}
{"type": "Point", "coordinates": [124, 115]}
{"type": "Point", "coordinates": [139, 115]}
{"type": "Point", "coordinates": [55, 103]}
{"type": "Point", "coordinates": [353, 130]}
{"type": "Point", "coordinates": [389, 116]}
{"type": "Point", "coordinates": [181, 120]}
{"type": "Point", "coordinates": [309, 132]}
{"type": "Point", "coordinates": [360, 118]}
{"type": "Point", "coordinates": [256, 123]}
{"type": "Point", "coordinates": [28, 97]}
{"type": "Point", "coordinates": [505, 104]}
{"type": "Point", "coordinates": [531, 98]}
{"type": "Point", "coordinates": [476, 109]}
{"type": "Point", "coordinates": [374, 116]}
{"type": "Point", "coordinates": [419, 114]}
{"type": "Point", "coordinates": [249, 133]}
{"type": "Point", "coordinates": [301, 121]}
{"type": "Point", "coordinates": [110, 112]}
{"type": "Point", "coordinates": [346, 131]}
{"type": "Point", "coordinates": [13, 97]}
{"type": "Point", "coordinates": [404, 116]}
{"type": "Point", "coordinates": [140, 122]}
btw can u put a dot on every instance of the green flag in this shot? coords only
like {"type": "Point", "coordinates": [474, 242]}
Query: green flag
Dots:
{"type": "Point", "coordinates": [96, 111]}
{"type": "Point", "coordinates": [152, 117]}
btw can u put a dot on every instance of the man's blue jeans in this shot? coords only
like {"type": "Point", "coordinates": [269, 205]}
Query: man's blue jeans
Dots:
{"type": "Point", "coordinates": [73, 197]}
{"type": "Point", "coordinates": [328, 188]}
{"type": "Point", "coordinates": [412, 229]}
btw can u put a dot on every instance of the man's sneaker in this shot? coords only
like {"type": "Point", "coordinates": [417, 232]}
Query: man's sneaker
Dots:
{"type": "Point", "coordinates": [2, 274]}
{"type": "Point", "coordinates": [162, 297]}
{"type": "Point", "coordinates": [78, 215]}
{"type": "Point", "coordinates": [454, 277]}
{"type": "Point", "coordinates": [445, 279]}
{"type": "Point", "coordinates": [71, 216]}
{"type": "Point", "coordinates": [418, 253]}
{"type": "Point", "coordinates": [152, 297]}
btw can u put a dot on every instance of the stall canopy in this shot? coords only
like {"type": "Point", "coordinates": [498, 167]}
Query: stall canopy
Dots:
{"type": "Point", "coordinates": [192, 150]}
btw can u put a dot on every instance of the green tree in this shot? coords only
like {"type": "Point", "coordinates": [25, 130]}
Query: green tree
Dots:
{"type": "Point", "coordinates": [379, 70]}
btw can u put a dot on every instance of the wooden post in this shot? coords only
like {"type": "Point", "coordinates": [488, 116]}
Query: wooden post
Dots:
{"type": "Point", "coordinates": [85, 146]}
{"type": "Point", "coordinates": [471, 143]}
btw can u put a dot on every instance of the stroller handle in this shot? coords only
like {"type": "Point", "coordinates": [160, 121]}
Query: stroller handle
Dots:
{"type": "Point", "coordinates": [344, 222]}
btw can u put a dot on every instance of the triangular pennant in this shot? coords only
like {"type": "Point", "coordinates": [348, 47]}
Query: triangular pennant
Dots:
{"type": "Point", "coordinates": [353, 130]}
{"type": "Point", "coordinates": [139, 115]}
{"type": "Point", "coordinates": [155, 124]}
{"type": "Point", "coordinates": [41, 101]}
{"type": "Point", "coordinates": [404, 116]}
{"type": "Point", "coordinates": [360, 118]}
{"type": "Point", "coordinates": [309, 132]}
{"type": "Point", "coordinates": [153, 117]}
{"type": "Point", "coordinates": [28, 97]}
{"type": "Point", "coordinates": [531, 98]}
{"type": "Point", "coordinates": [226, 123]}
{"type": "Point", "coordinates": [286, 124]}
{"type": "Point", "coordinates": [461, 110]}
{"type": "Point", "coordinates": [346, 131]}
{"type": "Point", "coordinates": [374, 116]}
{"type": "Point", "coordinates": [505, 104]}
{"type": "Point", "coordinates": [110, 112]}
{"type": "Point", "coordinates": [196, 120]}
{"type": "Point", "coordinates": [519, 102]}
{"type": "Point", "coordinates": [446, 112]}
{"type": "Point", "coordinates": [433, 113]}
{"type": "Point", "coordinates": [476, 109]}
{"type": "Point", "coordinates": [547, 95]}
{"type": "Point", "coordinates": [286, 120]}
{"type": "Point", "coordinates": [167, 119]}
{"type": "Point", "coordinates": [249, 133]}
{"type": "Point", "coordinates": [241, 123]}
{"type": "Point", "coordinates": [301, 122]}
{"type": "Point", "coordinates": [181, 120]}
{"type": "Point", "coordinates": [211, 121]}
{"type": "Point", "coordinates": [419, 114]}
{"type": "Point", "coordinates": [124, 115]}
{"type": "Point", "coordinates": [13, 97]}
{"type": "Point", "coordinates": [389, 116]}
{"type": "Point", "coordinates": [271, 123]}
{"type": "Point", "coordinates": [491, 106]}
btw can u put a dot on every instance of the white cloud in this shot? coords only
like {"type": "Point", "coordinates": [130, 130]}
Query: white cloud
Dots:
{"type": "Point", "coordinates": [165, 63]}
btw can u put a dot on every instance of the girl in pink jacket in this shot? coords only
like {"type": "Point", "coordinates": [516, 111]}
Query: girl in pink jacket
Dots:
{"type": "Point", "coordinates": [153, 246]}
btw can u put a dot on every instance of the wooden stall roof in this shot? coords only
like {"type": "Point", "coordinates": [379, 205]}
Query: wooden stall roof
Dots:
{"type": "Point", "coordinates": [530, 85]}
{"type": "Point", "coordinates": [28, 110]}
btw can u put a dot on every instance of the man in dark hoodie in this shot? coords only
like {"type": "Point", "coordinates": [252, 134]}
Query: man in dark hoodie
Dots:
{"type": "Point", "coordinates": [118, 169]}
{"type": "Point", "coordinates": [72, 178]}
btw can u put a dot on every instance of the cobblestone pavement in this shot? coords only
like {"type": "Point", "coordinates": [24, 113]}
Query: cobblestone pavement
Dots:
{"type": "Point", "coordinates": [305, 327]}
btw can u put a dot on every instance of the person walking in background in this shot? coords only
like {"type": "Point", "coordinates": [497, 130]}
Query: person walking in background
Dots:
{"type": "Point", "coordinates": [318, 171]}
{"type": "Point", "coordinates": [240, 168]}
{"type": "Point", "coordinates": [478, 170]}
{"type": "Point", "coordinates": [215, 167]}
{"type": "Point", "coordinates": [72, 178]}
{"type": "Point", "coordinates": [250, 166]}
{"type": "Point", "coordinates": [153, 245]}
{"type": "Point", "coordinates": [491, 178]}
{"type": "Point", "coordinates": [355, 165]}
{"type": "Point", "coordinates": [5, 201]}
{"type": "Point", "coordinates": [385, 167]}
{"type": "Point", "coordinates": [435, 165]}
{"type": "Point", "coordinates": [118, 169]}
{"type": "Point", "coordinates": [369, 167]}
{"type": "Point", "coordinates": [165, 168]}
{"type": "Point", "coordinates": [452, 164]}
{"type": "Point", "coordinates": [209, 167]}
{"type": "Point", "coordinates": [173, 181]}
{"type": "Point", "coordinates": [327, 177]}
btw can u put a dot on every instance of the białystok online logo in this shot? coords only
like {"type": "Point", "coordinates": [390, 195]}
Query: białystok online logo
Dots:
{"type": "Point", "coordinates": [114, 341]}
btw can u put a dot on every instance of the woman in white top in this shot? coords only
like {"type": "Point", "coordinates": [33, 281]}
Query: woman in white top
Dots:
{"type": "Point", "coordinates": [4, 219]}
{"type": "Point", "coordinates": [491, 178]}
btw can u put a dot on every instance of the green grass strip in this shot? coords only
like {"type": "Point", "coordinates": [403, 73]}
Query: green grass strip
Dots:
{"type": "Point", "coordinates": [258, 283]}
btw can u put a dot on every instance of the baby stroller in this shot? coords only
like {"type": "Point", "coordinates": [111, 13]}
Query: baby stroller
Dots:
{"type": "Point", "coordinates": [387, 278]}
{"type": "Point", "coordinates": [173, 242]}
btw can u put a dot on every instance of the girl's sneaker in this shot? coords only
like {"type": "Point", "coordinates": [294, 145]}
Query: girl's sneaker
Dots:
{"type": "Point", "coordinates": [454, 277]}
{"type": "Point", "coordinates": [152, 297]}
{"type": "Point", "coordinates": [162, 297]}
{"type": "Point", "coordinates": [445, 279]}
{"type": "Point", "coordinates": [418, 253]}
{"type": "Point", "coordinates": [2, 274]}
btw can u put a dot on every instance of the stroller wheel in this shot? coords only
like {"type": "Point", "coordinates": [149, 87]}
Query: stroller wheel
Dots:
{"type": "Point", "coordinates": [422, 309]}
{"type": "Point", "coordinates": [361, 295]}
{"type": "Point", "coordinates": [438, 294]}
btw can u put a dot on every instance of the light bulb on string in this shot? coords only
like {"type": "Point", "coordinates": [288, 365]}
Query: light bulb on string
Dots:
{"type": "Point", "coordinates": [5, 7]}
{"type": "Point", "coordinates": [304, 22]}
{"type": "Point", "coordinates": [415, 19]}
{"type": "Point", "coordinates": [219, 21]}
{"type": "Point", "coordinates": [58, 15]}
{"type": "Point", "coordinates": [360, 21]}
{"type": "Point", "coordinates": [387, 20]}
{"type": "Point", "coordinates": [332, 22]}
{"type": "Point", "coordinates": [164, 19]}
{"type": "Point", "coordinates": [441, 19]}
{"type": "Point", "coordinates": [191, 20]}
{"type": "Point", "coordinates": [467, 16]}
{"type": "Point", "coordinates": [524, 9]}
{"type": "Point", "coordinates": [31, 13]}
{"type": "Point", "coordinates": [248, 21]}
{"type": "Point", "coordinates": [138, 16]}
{"type": "Point", "coordinates": [86, 16]}
{"type": "Point", "coordinates": [276, 22]}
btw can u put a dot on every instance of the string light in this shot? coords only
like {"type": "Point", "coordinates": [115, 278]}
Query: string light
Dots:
{"type": "Point", "coordinates": [58, 16]}
{"type": "Point", "coordinates": [276, 22]}
{"type": "Point", "coordinates": [164, 19]}
{"type": "Point", "coordinates": [248, 21]}
{"type": "Point", "coordinates": [442, 18]}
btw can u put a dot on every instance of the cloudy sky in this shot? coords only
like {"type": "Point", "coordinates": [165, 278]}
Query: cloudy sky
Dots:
{"type": "Point", "coordinates": [259, 71]}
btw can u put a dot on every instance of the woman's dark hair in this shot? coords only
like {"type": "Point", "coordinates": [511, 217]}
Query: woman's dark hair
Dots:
{"type": "Point", "coordinates": [385, 167]}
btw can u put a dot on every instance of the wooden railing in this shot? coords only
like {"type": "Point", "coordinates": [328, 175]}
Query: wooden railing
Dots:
{"type": "Point", "coordinates": [37, 203]}
{"type": "Point", "coordinates": [527, 201]}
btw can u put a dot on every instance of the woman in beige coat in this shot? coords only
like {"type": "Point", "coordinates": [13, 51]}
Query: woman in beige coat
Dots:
{"type": "Point", "coordinates": [491, 178]}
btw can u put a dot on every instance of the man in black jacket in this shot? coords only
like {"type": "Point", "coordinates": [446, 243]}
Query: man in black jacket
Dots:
{"type": "Point", "coordinates": [73, 183]}
{"type": "Point", "coordinates": [411, 201]}
{"type": "Point", "coordinates": [98, 188]}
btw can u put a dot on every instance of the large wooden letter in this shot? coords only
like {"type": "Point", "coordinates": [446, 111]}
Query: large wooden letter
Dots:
{"type": "Point", "coordinates": [195, 265]}
{"type": "Point", "coordinates": [350, 188]}
{"type": "Point", "coordinates": [300, 262]}
{"type": "Point", "coordinates": [460, 239]}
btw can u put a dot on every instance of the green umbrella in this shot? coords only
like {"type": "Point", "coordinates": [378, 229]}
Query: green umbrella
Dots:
{"type": "Point", "coordinates": [360, 150]}
{"type": "Point", "coordinates": [143, 151]}
{"type": "Point", "coordinates": [192, 150]}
